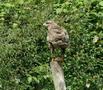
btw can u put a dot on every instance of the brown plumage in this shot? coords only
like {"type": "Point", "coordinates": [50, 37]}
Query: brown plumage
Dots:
{"type": "Point", "coordinates": [57, 36]}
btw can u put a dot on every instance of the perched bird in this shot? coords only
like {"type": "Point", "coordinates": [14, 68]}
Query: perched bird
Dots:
{"type": "Point", "coordinates": [57, 37]}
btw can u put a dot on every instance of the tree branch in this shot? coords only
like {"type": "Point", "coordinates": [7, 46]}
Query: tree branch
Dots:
{"type": "Point", "coordinates": [57, 74]}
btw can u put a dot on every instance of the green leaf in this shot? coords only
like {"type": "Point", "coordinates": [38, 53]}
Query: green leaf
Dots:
{"type": "Point", "coordinates": [95, 39]}
{"type": "Point", "coordinates": [43, 1]}
{"type": "Point", "coordinates": [9, 5]}
{"type": "Point", "coordinates": [36, 80]}
{"type": "Point", "coordinates": [58, 10]}
{"type": "Point", "coordinates": [20, 1]}
{"type": "Point", "coordinates": [29, 79]}
{"type": "Point", "coordinates": [101, 3]}
{"type": "Point", "coordinates": [65, 10]}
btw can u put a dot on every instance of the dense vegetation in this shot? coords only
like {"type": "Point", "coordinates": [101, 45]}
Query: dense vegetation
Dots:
{"type": "Point", "coordinates": [24, 54]}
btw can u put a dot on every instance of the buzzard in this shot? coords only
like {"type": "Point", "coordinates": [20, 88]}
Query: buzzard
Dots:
{"type": "Point", "coordinates": [57, 37]}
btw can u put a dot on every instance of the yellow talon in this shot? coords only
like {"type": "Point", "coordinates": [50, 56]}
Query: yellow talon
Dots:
{"type": "Point", "coordinates": [58, 59]}
{"type": "Point", "coordinates": [53, 59]}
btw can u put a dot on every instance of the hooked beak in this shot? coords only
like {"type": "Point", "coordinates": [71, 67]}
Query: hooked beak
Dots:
{"type": "Point", "coordinates": [45, 24]}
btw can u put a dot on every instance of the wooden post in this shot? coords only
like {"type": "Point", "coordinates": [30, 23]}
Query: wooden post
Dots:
{"type": "Point", "coordinates": [57, 74]}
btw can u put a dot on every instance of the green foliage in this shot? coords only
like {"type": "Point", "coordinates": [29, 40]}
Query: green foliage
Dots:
{"type": "Point", "coordinates": [24, 54]}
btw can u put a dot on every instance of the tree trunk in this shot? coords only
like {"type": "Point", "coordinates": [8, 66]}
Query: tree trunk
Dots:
{"type": "Point", "coordinates": [57, 74]}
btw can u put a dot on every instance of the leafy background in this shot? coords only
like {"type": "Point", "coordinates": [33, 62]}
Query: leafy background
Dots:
{"type": "Point", "coordinates": [24, 54]}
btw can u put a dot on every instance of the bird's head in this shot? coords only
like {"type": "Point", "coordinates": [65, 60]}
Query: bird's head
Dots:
{"type": "Point", "coordinates": [50, 23]}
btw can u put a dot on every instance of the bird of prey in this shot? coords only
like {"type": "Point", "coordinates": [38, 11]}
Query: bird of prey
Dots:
{"type": "Point", "coordinates": [57, 37]}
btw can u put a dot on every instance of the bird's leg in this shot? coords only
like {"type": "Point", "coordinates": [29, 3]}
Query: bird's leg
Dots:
{"type": "Point", "coordinates": [62, 52]}
{"type": "Point", "coordinates": [52, 54]}
{"type": "Point", "coordinates": [52, 51]}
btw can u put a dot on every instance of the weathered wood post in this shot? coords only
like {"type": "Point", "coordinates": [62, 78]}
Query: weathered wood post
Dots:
{"type": "Point", "coordinates": [57, 74]}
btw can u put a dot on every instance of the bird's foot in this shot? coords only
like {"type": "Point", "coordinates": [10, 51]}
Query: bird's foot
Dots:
{"type": "Point", "coordinates": [53, 59]}
{"type": "Point", "coordinates": [58, 59]}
